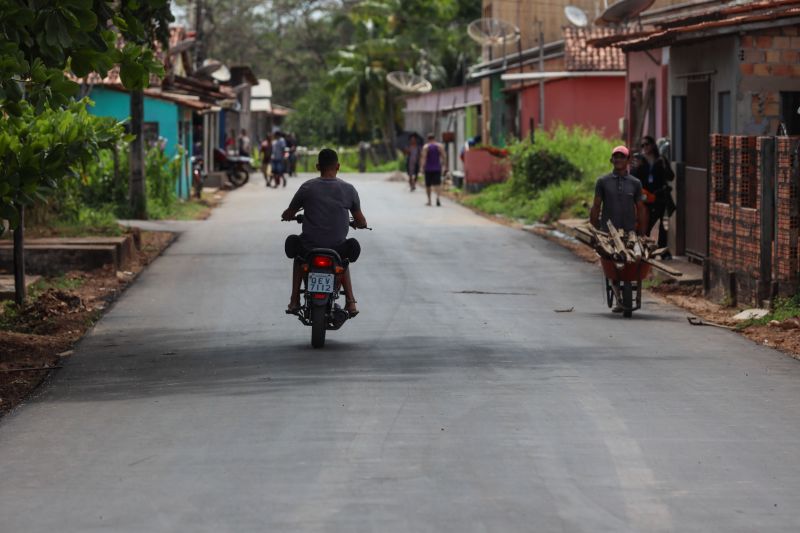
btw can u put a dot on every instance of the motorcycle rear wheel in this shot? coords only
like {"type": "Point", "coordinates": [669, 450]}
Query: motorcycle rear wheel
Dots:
{"type": "Point", "coordinates": [238, 177]}
{"type": "Point", "coordinates": [318, 326]}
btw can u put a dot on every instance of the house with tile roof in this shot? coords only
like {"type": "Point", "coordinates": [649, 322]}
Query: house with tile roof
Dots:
{"type": "Point", "coordinates": [725, 88]}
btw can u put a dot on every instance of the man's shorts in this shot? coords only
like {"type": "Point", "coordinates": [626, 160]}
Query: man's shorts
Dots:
{"type": "Point", "coordinates": [349, 250]}
{"type": "Point", "coordinates": [432, 179]}
{"type": "Point", "coordinates": [278, 166]}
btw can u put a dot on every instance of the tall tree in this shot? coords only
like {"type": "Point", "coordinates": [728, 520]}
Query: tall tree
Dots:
{"type": "Point", "coordinates": [142, 23]}
{"type": "Point", "coordinates": [45, 135]}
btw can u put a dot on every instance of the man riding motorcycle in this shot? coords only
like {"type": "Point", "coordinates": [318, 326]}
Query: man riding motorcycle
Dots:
{"type": "Point", "coordinates": [328, 202]}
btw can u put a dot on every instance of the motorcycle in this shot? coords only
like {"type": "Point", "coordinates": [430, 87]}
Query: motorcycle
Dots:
{"type": "Point", "coordinates": [323, 269]}
{"type": "Point", "coordinates": [237, 168]}
{"type": "Point", "coordinates": [198, 175]}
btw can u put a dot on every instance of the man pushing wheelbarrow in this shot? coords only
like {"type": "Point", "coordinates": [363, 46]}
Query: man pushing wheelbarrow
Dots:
{"type": "Point", "coordinates": [619, 210]}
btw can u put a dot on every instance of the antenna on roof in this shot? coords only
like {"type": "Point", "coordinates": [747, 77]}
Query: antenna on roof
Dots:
{"type": "Point", "coordinates": [492, 32]}
{"type": "Point", "coordinates": [623, 11]}
{"type": "Point", "coordinates": [576, 16]}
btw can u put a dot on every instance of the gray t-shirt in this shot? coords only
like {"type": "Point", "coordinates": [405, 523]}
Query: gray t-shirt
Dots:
{"type": "Point", "coordinates": [619, 194]}
{"type": "Point", "coordinates": [328, 203]}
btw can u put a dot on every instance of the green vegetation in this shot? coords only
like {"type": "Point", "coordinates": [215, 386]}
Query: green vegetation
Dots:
{"type": "Point", "coordinates": [348, 161]}
{"type": "Point", "coordinates": [63, 283]}
{"type": "Point", "coordinates": [45, 134]}
{"type": "Point", "coordinates": [551, 178]}
{"type": "Point", "coordinates": [783, 309]}
{"type": "Point", "coordinates": [91, 204]}
{"type": "Point", "coordinates": [346, 49]}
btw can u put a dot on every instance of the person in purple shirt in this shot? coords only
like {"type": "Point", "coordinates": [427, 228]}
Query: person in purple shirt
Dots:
{"type": "Point", "coordinates": [433, 162]}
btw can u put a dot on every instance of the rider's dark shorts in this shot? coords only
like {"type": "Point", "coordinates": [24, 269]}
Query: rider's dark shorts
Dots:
{"type": "Point", "coordinates": [432, 179]}
{"type": "Point", "coordinates": [349, 250]}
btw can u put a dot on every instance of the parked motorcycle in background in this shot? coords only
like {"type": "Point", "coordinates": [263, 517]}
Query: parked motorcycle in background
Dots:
{"type": "Point", "coordinates": [236, 168]}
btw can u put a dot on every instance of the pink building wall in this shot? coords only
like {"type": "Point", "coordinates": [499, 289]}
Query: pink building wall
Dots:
{"type": "Point", "coordinates": [643, 66]}
{"type": "Point", "coordinates": [594, 102]}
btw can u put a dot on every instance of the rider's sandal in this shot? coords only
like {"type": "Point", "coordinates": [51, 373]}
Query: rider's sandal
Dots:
{"type": "Point", "coordinates": [349, 312]}
{"type": "Point", "coordinates": [293, 310]}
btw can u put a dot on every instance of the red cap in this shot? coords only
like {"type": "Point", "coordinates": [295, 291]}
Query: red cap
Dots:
{"type": "Point", "coordinates": [620, 150]}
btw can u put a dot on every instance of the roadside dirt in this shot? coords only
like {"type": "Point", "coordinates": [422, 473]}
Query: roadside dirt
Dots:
{"type": "Point", "coordinates": [35, 339]}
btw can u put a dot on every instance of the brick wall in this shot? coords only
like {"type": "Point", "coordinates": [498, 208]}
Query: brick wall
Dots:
{"type": "Point", "coordinates": [769, 53]}
{"type": "Point", "coordinates": [786, 262]}
{"type": "Point", "coordinates": [736, 270]}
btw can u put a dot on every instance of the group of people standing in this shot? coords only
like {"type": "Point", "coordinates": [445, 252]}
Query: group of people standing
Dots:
{"type": "Point", "coordinates": [278, 153]}
{"type": "Point", "coordinates": [431, 159]}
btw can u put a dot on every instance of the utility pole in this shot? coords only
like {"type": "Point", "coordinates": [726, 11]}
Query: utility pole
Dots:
{"type": "Point", "coordinates": [19, 258]}
{"type": "Point", "coordinates": [199, 49]}
{"type": "Point", "coordinates": [541, 71]}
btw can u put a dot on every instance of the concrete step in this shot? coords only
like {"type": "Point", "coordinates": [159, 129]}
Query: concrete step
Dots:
{"type": "Point", "coordinates": [56, 259]}
{"type": "Point", "coordinates": [71, 253]}
{"type": "Point", "coordinates": [7, 285]}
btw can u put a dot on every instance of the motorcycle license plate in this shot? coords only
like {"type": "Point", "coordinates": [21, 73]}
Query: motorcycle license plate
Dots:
{"type": "Point", "coordinates": [319, 282]}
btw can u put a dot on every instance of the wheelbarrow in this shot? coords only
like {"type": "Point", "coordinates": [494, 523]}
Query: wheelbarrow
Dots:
{"type": "Point", "coordinates": [628, 291]}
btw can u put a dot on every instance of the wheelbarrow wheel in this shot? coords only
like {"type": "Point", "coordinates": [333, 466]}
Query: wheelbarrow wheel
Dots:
{"type": "Point", "coordinates": [627, 299]}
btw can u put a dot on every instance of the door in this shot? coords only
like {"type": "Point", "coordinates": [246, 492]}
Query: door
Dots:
{"type": "Point", "coordinates": [698, 118]}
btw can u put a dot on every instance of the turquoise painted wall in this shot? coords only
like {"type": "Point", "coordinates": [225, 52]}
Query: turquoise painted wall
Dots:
{"type": "Point", "coordinates": [111, 103]}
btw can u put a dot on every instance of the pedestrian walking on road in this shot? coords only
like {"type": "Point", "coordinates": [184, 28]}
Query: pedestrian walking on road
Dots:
{"type": "Point", "coordinates": [265, 151]}
{"type": "Point", "coordinates": [618, 198]}
{"type": "Point", "coordinates": [279, 159]}
{"type": "Point", "coordinates": [433, 163]}
{"type": "Point", "coordinates": [243, 143]}
{"type": "Point", "coordinates": [413, 153]}
{"type": "Point", "coordinates": [655, 174]}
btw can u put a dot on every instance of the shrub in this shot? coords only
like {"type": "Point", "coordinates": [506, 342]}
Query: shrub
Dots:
{"type": "Point", "coordinates": [552, 177]}
{"type": "Point", "coordinates": [534, 168]}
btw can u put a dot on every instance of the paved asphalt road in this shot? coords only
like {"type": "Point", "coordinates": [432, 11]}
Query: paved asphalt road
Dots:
{"type": "Point", "coordinates": [457, 401]}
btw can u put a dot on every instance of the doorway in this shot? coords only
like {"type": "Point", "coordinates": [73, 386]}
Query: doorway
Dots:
{"type": "Point", "coordinates": [698, 118]}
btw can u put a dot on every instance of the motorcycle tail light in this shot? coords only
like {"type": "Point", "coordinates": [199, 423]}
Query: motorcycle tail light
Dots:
{"type": "Point", "coordinates": [322, 261]}
{"type": "Point", "coordinates": [320, 296]}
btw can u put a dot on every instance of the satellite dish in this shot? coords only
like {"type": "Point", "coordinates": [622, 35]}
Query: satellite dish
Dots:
{"type": "Point", "coordinates": [222, 74]}
{"type": "Point", "coordinates": [408, 82]}
{"type": "Point", "coordinates": [209, 66]}
{"type": "Point", "coordinates": [576, 16]}
{"type": "Point", "coordinates": [492, 32]}
{"type": "Point", "coordinates": [182, 46]}
{"type": "Point", "coordinates": [215, 69]}
{"type": "Point", "coordinates": [623, 11]}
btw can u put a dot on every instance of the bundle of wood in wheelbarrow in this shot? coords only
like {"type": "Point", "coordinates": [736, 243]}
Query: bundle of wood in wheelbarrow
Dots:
{"type": "Point", "coordinates": [626, 259]}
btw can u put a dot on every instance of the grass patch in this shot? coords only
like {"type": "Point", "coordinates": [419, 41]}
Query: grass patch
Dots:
{"type": "Point", "coordinates": [64, 283]}
{"type": "Point", "coordinates": [179, 210]}
{"type": "Point", "coordinates": [784, 309]}
{"type": "Point", "coordinates": [567, 198]}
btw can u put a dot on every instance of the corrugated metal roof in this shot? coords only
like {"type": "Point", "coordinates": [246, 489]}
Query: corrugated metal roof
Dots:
{"type": "Point", "coordinates": [444, 100]}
